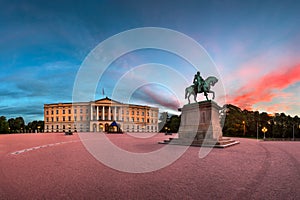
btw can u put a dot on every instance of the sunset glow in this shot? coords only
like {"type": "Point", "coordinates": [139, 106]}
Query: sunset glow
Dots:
{"type": "Point", "coordinates": [254, 46]}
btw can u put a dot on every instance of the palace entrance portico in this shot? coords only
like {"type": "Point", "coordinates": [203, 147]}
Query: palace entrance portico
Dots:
{"type": "Point", "coordinates": [103, 113]}
{"type": "Point", "coordinates": [99, 126]}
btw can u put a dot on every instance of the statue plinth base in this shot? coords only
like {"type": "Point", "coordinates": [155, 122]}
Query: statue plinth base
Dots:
{"type": "Point", "coordinates": [200, 121]}
{"type": "Point", "coordinates": [200, 126]}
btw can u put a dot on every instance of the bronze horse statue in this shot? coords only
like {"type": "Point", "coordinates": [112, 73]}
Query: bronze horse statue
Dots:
{"type": "Point", "coordinates": [193, 90]}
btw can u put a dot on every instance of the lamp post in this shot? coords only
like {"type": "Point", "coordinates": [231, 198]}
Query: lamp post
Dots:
{"type": "Point", "coordinates": [264, 130]}
{"type": "Point", "coordinates": [244, 125]}
{"type": "Point", "coordinates": [293, 132]}
{"type": "Point", "coordinates": [257, 131]}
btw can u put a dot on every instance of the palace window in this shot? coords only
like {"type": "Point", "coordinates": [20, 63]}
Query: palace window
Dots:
{"type": "Point", "coordinates": [69, 111]}
{"type": "Point", "coordinates": [57, 119]}
{"type": "Point", "coordinates": [69, 118]}
{"type": "Point", "coordinates": [63, 111]}
{"type": "Point", "coordinates": [52, 119]}
{"type": "Point", "coordinates": [75, 111]}
{"type": "Point", "coordinates": [51, 112]}
{"type": "Point", "coordinates": [57, 111]}
{"type": "Point", "coordinates": [47, 112]}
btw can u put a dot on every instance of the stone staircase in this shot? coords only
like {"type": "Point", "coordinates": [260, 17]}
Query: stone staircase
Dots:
{"type": "Point", "coordinates": [221, 143]}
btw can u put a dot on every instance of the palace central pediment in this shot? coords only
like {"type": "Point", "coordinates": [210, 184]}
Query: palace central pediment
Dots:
{"type": "Point", "coordinates": [106, 101]}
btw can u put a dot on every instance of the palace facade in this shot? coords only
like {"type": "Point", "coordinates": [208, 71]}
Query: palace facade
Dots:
{"type": "Point", "coordinates": [98, 116]}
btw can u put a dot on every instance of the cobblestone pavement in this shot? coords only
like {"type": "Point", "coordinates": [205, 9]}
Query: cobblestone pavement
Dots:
{"type": "Point", "coordinates": [54, 166]}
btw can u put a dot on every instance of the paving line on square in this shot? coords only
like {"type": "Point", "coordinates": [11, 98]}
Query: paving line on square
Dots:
{"type": "Point", "coordinates": [42, 146]}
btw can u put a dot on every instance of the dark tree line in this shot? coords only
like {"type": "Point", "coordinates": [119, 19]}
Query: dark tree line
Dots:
{"type": "Point", "coordinates": [17, 125]}
{"type": "Point", "coordinates": [244, 123]}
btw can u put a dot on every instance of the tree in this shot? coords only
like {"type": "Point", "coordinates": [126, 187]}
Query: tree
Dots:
{"type": "Point", "coordinates": [174, 123]}
{"type": "Point", "coordinates": [4, 128]}
{"type": "Point", "coordinates": [35, 126]}
{"type": "Point", "coordinates": [16, 125]}
{"type": "Point", "coordinates": [233, 125]}
{"type": "Point", "coordinates": [164, 121]}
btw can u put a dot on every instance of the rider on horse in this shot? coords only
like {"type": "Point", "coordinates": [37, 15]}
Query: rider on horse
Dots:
{"type": "Point", "coordinates": [199, 83]}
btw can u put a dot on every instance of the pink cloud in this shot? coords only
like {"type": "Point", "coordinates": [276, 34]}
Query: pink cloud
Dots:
{"type": "Point", "coordinates": [265, 88]}
{"type": "Point", "coordinates": [167, 100]}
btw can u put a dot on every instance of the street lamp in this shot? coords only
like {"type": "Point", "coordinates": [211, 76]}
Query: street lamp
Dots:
{"type": "Point", "coordinates": [244, 127]}
{"type": "Point", "coordinates": [264, 130]}
{"type": "Point", "coordinates": [293, 132]}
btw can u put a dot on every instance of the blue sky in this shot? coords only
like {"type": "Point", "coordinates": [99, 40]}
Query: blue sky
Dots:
{"type": "Point", "coordinates": [254, 45]}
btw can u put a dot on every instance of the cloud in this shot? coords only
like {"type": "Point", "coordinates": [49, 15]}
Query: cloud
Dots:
{"type": "Point", "coordinates": [157, 95]}
{"type": "Point", "coordinates": [28, 112]}
{"type": "Point", "coordinates": [266, 88]}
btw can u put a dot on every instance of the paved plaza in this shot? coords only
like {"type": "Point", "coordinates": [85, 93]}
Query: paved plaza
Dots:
{"type": "Point", "coordinates": [55, 166]}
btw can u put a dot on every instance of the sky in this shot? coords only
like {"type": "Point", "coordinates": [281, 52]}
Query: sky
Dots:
{"type": "Point", "coordinates": [253, 46]}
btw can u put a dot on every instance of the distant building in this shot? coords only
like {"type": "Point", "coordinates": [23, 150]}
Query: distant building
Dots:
{"type": "Point", "coordinates": [97, 116]}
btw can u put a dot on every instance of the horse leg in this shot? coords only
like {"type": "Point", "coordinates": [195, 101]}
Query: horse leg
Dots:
{"type": "Point", "coordinates": [195, 97]}
{"type": "Point", "coordinates": [205, 93]}
{"type": "Point", "coordinates": [189, 98]}
{"type": "Point", "coordinates": [213, 94]}
{"type": "Point", "coordinates": [210, 91]}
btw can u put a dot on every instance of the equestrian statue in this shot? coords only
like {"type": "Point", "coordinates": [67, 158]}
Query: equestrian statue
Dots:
{"type": "Point", "coordinates": [200, 86]}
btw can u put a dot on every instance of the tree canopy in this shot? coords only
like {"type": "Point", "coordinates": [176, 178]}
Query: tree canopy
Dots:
{"type": "Point", "coordinates": [17, 125]}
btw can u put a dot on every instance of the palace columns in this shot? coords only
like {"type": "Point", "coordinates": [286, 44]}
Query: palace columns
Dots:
{"type": "Point", "coordinates": [91, 112]}
{"type": "Point", "coordinates": [103, 110]}
{"type": "Point", "coordinates": [109, 113]}
{"type": "Point", "coordinates": [120, 113]}
{"type": "Point", "coordinates": [97, 113]}
{"type": "Point", "coordinates": [115, 113]}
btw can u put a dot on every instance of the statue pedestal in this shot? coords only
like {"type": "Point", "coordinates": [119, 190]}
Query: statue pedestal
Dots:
{"type": "Point", "coordinates": [200, 121]}
{"type": "Point", "coordinates": [200, 126]}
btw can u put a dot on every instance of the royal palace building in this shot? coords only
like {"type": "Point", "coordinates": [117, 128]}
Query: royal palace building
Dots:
{"type": "Point", "coordinates": [98, 116]}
